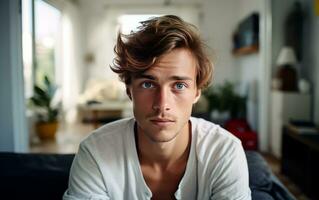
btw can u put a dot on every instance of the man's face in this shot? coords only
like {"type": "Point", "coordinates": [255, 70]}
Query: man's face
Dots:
{"type": "Point", "coordinates": [163, 96]}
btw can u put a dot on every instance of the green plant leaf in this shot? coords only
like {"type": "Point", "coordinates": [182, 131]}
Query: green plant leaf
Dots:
{"type": "Point", "coordinates": [224, 98]}
{"type": "Point", "coordinates": [42, 98]}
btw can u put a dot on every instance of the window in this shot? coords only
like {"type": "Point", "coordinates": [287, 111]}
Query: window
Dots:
{"type": "Point", "coordinates": [128, 23]}
{"type": "Point", "coordinates": [41, 36]}
{"type": "Point", "coordinates": [47, 35]}
{"type": "Point", "coordinates": [27, 47]}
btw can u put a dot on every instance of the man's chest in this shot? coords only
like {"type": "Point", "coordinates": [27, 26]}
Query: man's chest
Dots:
{"type": "Point", "coordinates": [163, 184]}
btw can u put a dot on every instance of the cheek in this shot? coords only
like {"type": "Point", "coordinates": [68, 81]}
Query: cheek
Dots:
{"type": "Point", "coordinates": [183, 104]}
{"type": "Point", "coordinates": [185, 99]}
{"type": "Point", "coordinates": [142, 100]}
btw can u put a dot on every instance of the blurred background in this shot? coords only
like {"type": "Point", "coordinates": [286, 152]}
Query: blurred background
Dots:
{"type": "Point", "coordinates": [56, 85]}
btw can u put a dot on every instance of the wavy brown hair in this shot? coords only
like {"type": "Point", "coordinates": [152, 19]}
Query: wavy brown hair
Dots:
{"type": "Point", "coordinates": [138, 51]}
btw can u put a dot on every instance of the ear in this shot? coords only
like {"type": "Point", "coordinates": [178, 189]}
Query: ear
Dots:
{"type": "Point", "coordinates": [128, 92]}
{"type": "Point", "coordinates": [198, 93]}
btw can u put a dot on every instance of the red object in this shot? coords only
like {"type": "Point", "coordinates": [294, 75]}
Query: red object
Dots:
{"type": "Point", "coordinates": [241, 129]}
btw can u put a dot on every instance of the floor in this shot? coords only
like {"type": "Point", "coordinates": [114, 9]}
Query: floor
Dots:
{"type": "Point", "coordinates": [274, 164]}
{"type": "Point", "coordinates": [70, 135]}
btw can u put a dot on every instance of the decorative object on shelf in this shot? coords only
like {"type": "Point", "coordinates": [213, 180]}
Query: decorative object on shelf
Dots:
{"type": "Point", "coordinates": [303, 127]}
{"type": "Point", "coordinates": [287, 74]}
{"type": "Point", "coordinates": [300, 153]}
{"type": "Point", "coordinates": [246, 36]}
{"type": "Point", "coordinates": [89, 58]}
{"type": "Point", "coordinates": [304, 86]}
{"type": "Point", "coordinates": [47, 106]}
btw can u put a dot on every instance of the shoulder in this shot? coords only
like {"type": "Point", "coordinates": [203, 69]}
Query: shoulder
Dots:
{"type": "Point", "coordinates": [213, 141]}
{"type": "Point", "coordinates": [221, 161]}
{"type": "Point", "coordinates": [208, 132]}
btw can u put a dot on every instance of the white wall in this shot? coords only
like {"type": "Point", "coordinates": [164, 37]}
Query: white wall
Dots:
{"type": "Point", "coordinates": [217, 22]}
{"type": "Point", "coordinates": [250, 66]}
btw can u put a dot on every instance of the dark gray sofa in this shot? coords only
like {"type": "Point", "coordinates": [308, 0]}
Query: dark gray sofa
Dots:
{"type": "Point", "coordinates": [263, 183]}
{"type": "Point", "coordinates": [45, 176]}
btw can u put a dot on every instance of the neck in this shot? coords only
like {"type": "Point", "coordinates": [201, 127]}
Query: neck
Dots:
{"type": "Point", "coordinates": [164, 154]}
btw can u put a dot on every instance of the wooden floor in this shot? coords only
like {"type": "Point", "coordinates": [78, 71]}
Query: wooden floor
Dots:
{"type": "Point", "coordinates": [69, 137]}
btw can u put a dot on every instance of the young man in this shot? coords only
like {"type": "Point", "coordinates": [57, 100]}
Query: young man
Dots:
{"type": "Point", "coordinates": [163, 152]}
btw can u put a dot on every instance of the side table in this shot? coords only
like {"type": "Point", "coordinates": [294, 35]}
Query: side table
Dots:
{"type": "Point", "coordinates": [300, 160]}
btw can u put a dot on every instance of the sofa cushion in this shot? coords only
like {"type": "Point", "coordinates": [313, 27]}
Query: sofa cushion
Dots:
{"type": "Point", "coordinates": [262, 180]}
{"type": "Point", "coordinates": [34, 176]}
{"type": "Point", "coordinates": [259, 172]}
{"type": "Point", "coordinates": [261, 195]}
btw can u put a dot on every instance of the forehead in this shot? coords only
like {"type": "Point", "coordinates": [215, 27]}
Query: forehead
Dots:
{"type": "Point", "coordinates": [179, 62]}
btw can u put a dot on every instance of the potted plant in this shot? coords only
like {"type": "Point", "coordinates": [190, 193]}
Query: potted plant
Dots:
{"type": "Point", "coordinates": [224, 102]}
{"type": "Point", "coordinates": [47, 110]}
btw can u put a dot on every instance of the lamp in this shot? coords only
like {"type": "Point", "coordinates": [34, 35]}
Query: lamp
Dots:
{"type": "Point", "coordinates": [286, 56]}
{"type": "Point", "coordinates": [286, 73]}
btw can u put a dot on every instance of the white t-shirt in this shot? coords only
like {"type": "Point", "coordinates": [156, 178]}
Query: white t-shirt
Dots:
{"type": "Point", "coordinates": [107, 166]}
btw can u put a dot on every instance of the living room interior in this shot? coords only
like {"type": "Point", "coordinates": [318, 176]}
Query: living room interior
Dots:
{"type": "Point", "coordinates": [264, 54]}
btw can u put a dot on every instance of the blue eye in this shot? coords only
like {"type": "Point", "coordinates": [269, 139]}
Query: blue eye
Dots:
{"type": "Point", "coordinates": [147, 85]}
{"type": "Point", "coordinates": [179, 86]}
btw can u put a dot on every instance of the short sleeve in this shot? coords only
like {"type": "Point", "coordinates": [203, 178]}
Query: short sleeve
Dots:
{"type": "Point", "coordinates": [232, 181]}
{"type": "Point", "coordinates": [85, 182]}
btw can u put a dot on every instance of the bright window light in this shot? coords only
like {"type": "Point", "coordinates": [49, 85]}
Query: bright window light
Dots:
{"type": "Point", "coordinates": [129, 23]}
{"type": "Point", "coordinates": [27, 47]}
{"type": "Point", "coordinates": [47, 36]}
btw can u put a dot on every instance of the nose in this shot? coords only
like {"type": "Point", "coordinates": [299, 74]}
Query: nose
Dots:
{"type": "Point", "coordinates": [161, 100]}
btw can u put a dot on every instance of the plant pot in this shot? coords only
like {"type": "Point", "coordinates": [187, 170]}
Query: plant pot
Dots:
{"type": "Point", "coordinates": [46, 130]}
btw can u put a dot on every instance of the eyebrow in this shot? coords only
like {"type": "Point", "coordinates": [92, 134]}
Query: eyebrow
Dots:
{"type": "Point", "coordinates": [146, 76]}
{"type": "Point", "coordinates": [179, 78]}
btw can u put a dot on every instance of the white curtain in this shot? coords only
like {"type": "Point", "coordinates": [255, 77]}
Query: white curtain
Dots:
{"type": "Point", "coordinates": [71, 65]}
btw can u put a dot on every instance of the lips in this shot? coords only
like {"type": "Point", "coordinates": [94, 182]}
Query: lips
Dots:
{"type": "Point", "coordinates": [162, 121]}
